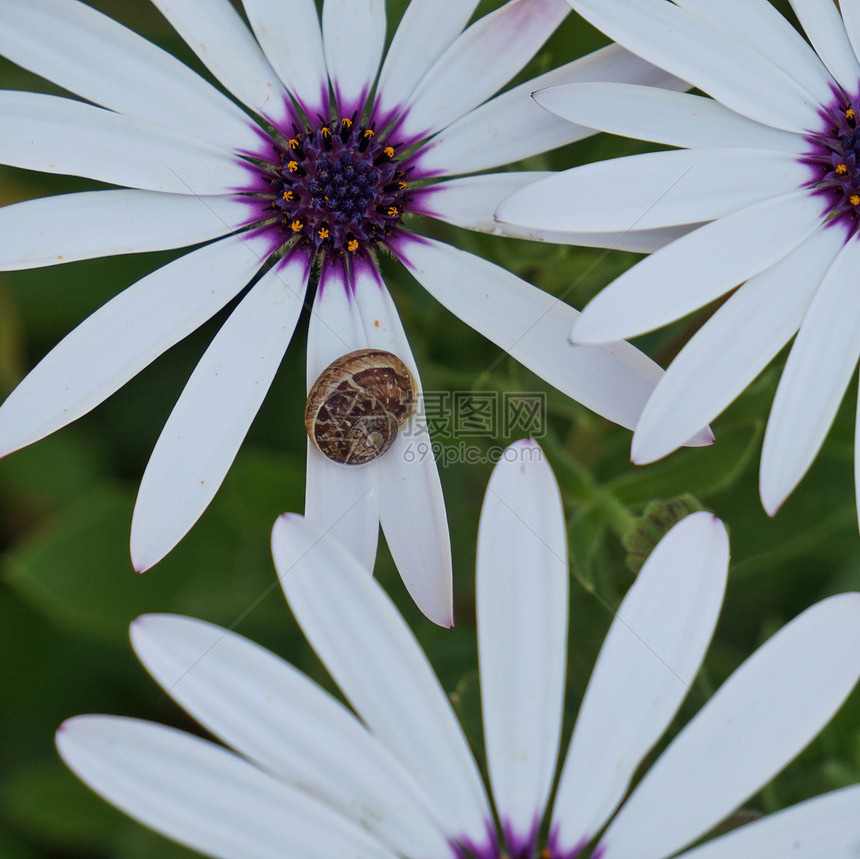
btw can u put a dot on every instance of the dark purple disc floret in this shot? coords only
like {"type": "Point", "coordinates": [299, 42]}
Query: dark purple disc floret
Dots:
{"type": "Point", "coordinates": [333, 186]}
{"type": "Point", "coordinates": [832, 155]}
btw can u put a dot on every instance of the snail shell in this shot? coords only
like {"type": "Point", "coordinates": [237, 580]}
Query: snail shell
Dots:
{"type": "Point", "coordinates": [357, 404]}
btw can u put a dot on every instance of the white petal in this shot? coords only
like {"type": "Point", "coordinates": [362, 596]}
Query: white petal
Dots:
{"type": "Point", "coordinates": [511, 126]}
{"type": "Point", "coordinates": [656, 189]}
{"type": "Point", "coordinates": [484, 58]}
{"type": "Point", "coordinates": [344, 499]}
{"type": "Point", "coordinates": [124, 336]}
{"type": "Point", "coordinates": [824, 28]}
{"type": "Point", "coordinates": [376, 661]}
{"type": "Point", "coordinates": [784, 46]}
{"type": "Point", "coordinates": [87, 53]}
{"type": "Point", "coordinates": [662, 116]}
{"type": "Point", "coordinates": [696, 51]}
{"type": "Point", "coordinates": [851, 19]}
{"type": "Point", "coordinates": [411, 506]}
{"type": "Point", "coordinates": [760, 718]}
{"type": "Point", "coordinates": [353, 37]}
{"type": "Point", "coordinates": [203, 796]}
{"type": "Point", "coordinates": [60, 135]}
{"type": "Point", "coordinates": [425, 31]}
{"type": "Point", "coordinates": [273, 715]}
{"type": "Point", "coordinates": [470, 201]}
{"type": "Point", "coordinates": [824, 826]}
{"type": "Point", "coordinates": [290, 36]}
{"type": "Point", "coordinates": [54, 230]}
{"type": "Point", "coordinates": [215, 32]}
{"type": "Point", "coordinates": [211, 418]}
{"type": "Point", "coordinates": [674, 281]}
{"type": "Point", "coordinates": [732, 348]}
{"type": "Point", "coordinates": [530, 325]}
{"type": "Point", "coordinates": [816, 374]}
{"type": "Point", "coordinates": [521, 595]}
{"type": "Point", "coordinates": [648, 661]}
{"type": "Point", "coordinates": [857, 459]}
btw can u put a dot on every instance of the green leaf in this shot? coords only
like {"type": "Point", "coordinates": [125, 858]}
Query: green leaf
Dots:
{"type": "Point", "coordinates": [586, 533]}
{"type": "Point", "coordinates": [700, 471]}
{"type": "Point", "coordinates": [46, 802]}
{"type": "Point", "coordinates": [76, 570]}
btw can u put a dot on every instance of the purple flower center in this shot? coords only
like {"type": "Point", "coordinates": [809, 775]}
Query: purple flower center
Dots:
{"type": "Point", "coordinates": [512, 845]}
{"type": "Point", "coordinates": [335, 187]}
{"type": "Point", "coordinates": [832, 156]}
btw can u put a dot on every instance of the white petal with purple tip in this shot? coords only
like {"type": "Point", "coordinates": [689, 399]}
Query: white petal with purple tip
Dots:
{"type": "Point", "coordinates": [673, 282]}
{"type": "Point", "coordinates": [696, 51]}
{"type": "Point", "coordinates": [217, 406]}
{"type": "Point", "coordinates": [531, 325]}
{"type": "Point", "coordinates": [71, 227]}
{"type": "Point", "coordinates": [215, 32]}
{"type": "Point", "coordinates": [485, 57]}
{"type": "Point", "coordinates": [425, 31]}
{"type": "Point", "coordinates": [662, 116]}
{"type": "Point", "coordinates": [353, 38]}
{"type": "Point", "coordinates": [271, 714]}
{"type": "Point", "coordinates": [203, 796]}
{"type": "Point", "coordinates": [375, 660]}
{"type": "Point", "coordinates": [110, 147]}
{"type": "Point", "coordinates": [656, 189]}
{"type": "Point", "coordinates": [759, 719]}
{"type": "Point", "coordinates": [732, 348]}
{"type": "Point", "coordinates": [646, 665]}
{"type": "Point", "coordinates": [93, 56]}
{"type": "Point", "coordinates": [123, 336]}
{"type": "Point", "coordinates": [816, 374]}
{"type": "Point", "coordinates": [521, 594]}
{"type": "Point", "coordinates": [344, 499]}
{"type": "Point", "coordinates": [511, 126]}
{"type": "Point", "coordinates": [411, 505]}
{"type": "Point", "coordinates": [289, 33]}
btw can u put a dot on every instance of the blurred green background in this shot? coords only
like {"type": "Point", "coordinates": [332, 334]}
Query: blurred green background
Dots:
{"type": "Point", "coordinates": [68, 592]}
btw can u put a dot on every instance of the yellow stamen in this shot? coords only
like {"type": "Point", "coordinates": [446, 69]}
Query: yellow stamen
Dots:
{"type": "Point", "coordinates": [352, 245]}
{"type": "Point", "coordinates": [389, 151]}
{"type": "Point", "coordinates": [368, 133]}
{"type": "Point", "coordinates": [288, 195]}
{"type": "Point", "coordinates": [346, 122]}
{"type": "Point", "coordinates": [325, 131]}
{"type": "Point", "coordinates": [849, 114]}
{"type": "Point", "coordinates": [323, 232]}
{"type": "Point", "coordinates": [393, 211]}
{"type": "Point", "coordinates": [294, 143]}
{"type": "Point", "coordinates": [292, 166]}
{"type": "Point", "coordinates": [841, 169]}
{"type": "Point", "coordinates": [402, 185]}
{"type": "Point", "coordinates": [854, 199]}
{"type": "Point", "coordinates": [296, 226]}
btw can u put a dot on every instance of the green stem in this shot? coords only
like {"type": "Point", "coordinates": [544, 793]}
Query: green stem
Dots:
{"type": "Point", "coordinates": [582, 490]}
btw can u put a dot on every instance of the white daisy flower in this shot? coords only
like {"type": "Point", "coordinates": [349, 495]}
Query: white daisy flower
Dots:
{"type": "Point", "coordinates": [337, 150]}
{"type": "Point", "coordinates": [305, 777]}
{"type": "Point", "coordinates": [769, 166]}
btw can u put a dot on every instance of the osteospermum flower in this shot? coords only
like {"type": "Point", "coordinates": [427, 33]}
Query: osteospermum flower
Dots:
{"type": "Point", "coordinates": [769, 165]}
{"type": "Point", "coordinates": [332, 158]}
{"type": "Point", "coordinates": [305, 777]}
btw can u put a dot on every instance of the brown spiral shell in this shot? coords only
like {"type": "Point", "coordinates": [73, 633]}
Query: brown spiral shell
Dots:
{"type": "Point", "coordinates": [357, 405]}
